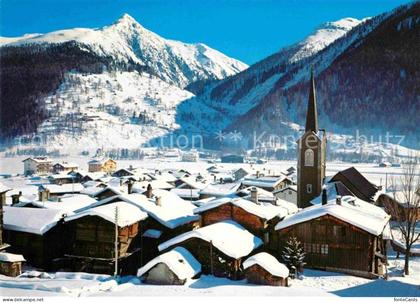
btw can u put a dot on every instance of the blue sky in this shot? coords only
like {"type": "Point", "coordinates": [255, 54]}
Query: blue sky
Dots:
{"type": "Point", "coordinates": [248, 30]}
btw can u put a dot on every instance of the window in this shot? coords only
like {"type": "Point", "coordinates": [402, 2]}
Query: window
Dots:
{"type": "Point", "coordinates": [324, 249]}
{"type": "Point", "coordinates": [308, 188]}
{"type": "Point", "coordinates": [309, 158]}
{"type": "Point", "coordinates": [290, 192]}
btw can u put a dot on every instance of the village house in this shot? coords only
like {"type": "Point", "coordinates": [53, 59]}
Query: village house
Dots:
{"type": "Point", "coordinates": [65, 167]}
{"type": "Point", "coordinates": [102, 165]}
{"type": "Point", "coordinates": [36, 233]}
{"type": "Point", "coordinates": [219, 190]}
{"type": "Point", "coordinates": [37, 165]}
{"type": "Point", "coordinates": [357, 184]}
{"type": "Point", "coordinates": [54, 192]}
{"type": "Point", "coordinates": [288, 193]}
{"type": "Point", "coordinates": [11, 264]}
{"type": "Point", "coordinates": [60, 179]}
{"type": "Point", "coordinates": [220, 247]}
{"type": "Point", "coordinates": [257, 217]}
{"type": "Point", "coordinates": [191, 156]}
{"type": "Point", "coordinates": [171, 268]}
{"type": "Point", "coordinates": [91, 236]}
{"type": "Point", "coordinates": [269, 183]}
{"type": "Point", "coordinates": [264, 269]}
{"type": "Point", "coordinates": [168, 214]}
{"type": "Point", "coordinates": [242, 172]}
{"type": "Point", "coordinates": [345, 234]}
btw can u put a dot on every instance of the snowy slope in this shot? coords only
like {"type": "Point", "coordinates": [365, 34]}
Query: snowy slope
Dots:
{"type": "Point", "coordinates": [110, 110]}
{"type": "Point", "coordinates": [236, 95]}
{"type": "Point", "coordinates": [126, 40]}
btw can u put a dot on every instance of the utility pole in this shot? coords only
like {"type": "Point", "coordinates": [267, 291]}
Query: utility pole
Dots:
{"type": "Point", "coordinates": [116, 242]}
{"type": "Point", "coordinates": [211, 257]}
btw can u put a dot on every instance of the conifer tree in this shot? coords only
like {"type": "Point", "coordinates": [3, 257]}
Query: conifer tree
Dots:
{"type": "Point", "coordinates": [293, 256]}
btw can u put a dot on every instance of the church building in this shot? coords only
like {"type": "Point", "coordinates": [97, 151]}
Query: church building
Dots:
{"type": "Point", "coordinates": [311, 154]}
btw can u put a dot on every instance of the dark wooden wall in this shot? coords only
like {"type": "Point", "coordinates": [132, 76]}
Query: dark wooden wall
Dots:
{"type": "Point", "coordinates": [330, 244]}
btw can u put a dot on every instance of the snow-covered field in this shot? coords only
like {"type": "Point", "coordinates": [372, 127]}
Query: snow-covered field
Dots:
{"type": "Point", "coordinates": [372, 171]}
{"type": "Point", "coordinates": [311, 283]}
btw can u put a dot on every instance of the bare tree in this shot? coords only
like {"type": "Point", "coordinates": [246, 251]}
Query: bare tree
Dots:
{"type": "Point", "coordinates": [405, 207]}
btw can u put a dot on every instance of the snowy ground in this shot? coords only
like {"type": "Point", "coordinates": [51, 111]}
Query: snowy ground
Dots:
{"type": "Point", "coordinates": [312, 283]}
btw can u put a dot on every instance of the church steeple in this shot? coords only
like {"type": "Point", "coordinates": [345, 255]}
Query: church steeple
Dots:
{"type": "Point", "coordinates": [311, 115]}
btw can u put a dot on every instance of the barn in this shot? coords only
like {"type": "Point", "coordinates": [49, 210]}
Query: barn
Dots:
{"type": "Point", "coordinates": [344, 234]}
{"type": "Point", "coordinates": [36, 233]}
{"type": "Point", "coordinates": [219, 247]}
{"type": "Point", "coordinates": [264, 269]}
{"type": "Point", "coordinates": [171, 268]}
{"type": "Point", "coordinates": [91, 236]}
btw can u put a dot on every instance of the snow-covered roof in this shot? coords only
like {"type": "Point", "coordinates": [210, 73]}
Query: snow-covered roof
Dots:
{"type": "Point", "coordinates": [93, 175]}
{"type": "Point", "coordinates": [263, 181]}
{"type": "Point", "coordinates": [291, 187]}
{"type": "Point", "coordinates": [363, 215]}
{"type": "Point", "coordinates": [179, 260]}
{"type": "Point", "coordinates": [39, 160]}
{"type": "Point", "coordinates": [186, 193]}
{"type": "Point", "coordinates": [220, 189]}
{"type": "Point", "coordinates": [263, 210]}
{"type": "Point", "coordinates": [269, 263]}
{"type": "Point", "coordinates": [116, 190]}
{"type": "Point", "coordinates": [67, 165]}
{"type": "Point", "coordinates": [65, 188]}
{"type": "Point", "coordinates": [156, 184]}
{"type": "Point", "coordinates": [8, 257]}
{"type": "Point", "coordinates": [30, 220]}
{"type": "Point", "coordinates": [228, 236]}
{"type": "Point", "coordinates": [152, 233]}
{"type": "Point", "coordinates": [128, 214]}
{"type": "Point", "coordinates": [99, 160]}
{"type": "Point", "coordinates": [172, 212]}
{"type": "Point", "coordinates": [61, 176]}
{"type": "Point", "coordinates": [193, 183]}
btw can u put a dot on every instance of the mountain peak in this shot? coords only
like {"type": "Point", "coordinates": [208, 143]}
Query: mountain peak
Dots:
{"type": "Point", "coordinates": [126, 19]}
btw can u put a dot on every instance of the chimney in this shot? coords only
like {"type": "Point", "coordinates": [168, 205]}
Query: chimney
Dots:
{"type": "Point", "coordinates": [158, 201]}
{"type": "Point", "coordinates": [338, 200]}
{"type": "Point", "coordinates": [149, 191]}
{"type": "Point", "coordinates": [324, 196]}
{"type": "Point", "coordinates": [121, 182]}
{"type": "Point", "coordinates": [221, 180]}
{"type": "Point", "coordinates": [258, 174]}
{"type": "Point", "coordinates": [130, 187]}
{"type": "Point", "coordinates": [16, 198]}
{"type": "Point", "coordinates": [214, 178]}
{"type": "Point", "coordinates": [254, 195]}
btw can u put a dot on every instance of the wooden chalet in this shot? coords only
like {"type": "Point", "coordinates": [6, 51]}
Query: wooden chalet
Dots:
{"type": "Point", "coordinates": [344, 235]}
{"type": "Point", "coordinates": [40, 165]}
{"type": "Point", "coordinates": [36, 233]}
{"type": "Point", "coordinates": [264, 269]}
{"type": "Point", "coordinates": [171, 268]}
{"type": "Point", "coordinates": [220, 247]}
{"type": "Point", "coordinates": [257, 217]}
{"type": "Point", "coordinates": [64, 167]}
{"type": "Point", "coordinates": [91, 236]}
{"type": "Point", "coordinates": [106, 165]}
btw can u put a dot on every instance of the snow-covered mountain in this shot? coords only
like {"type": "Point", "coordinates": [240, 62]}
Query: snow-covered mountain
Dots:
{"type": "Point", "coordinates": [35, 66]}
{"type": "Point", "coordinates": [126, 40]}
{"type": "Point", "coordinates": [365, 69]}
{"type": "Point", "coordinates": [226, 100]}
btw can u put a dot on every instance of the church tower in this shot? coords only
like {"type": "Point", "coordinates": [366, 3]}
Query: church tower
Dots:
{"type": "Point", "coordinates": [311, 154]}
